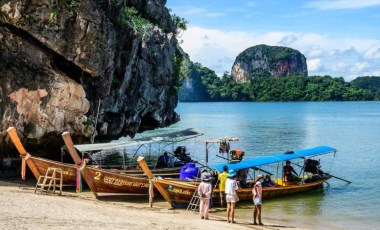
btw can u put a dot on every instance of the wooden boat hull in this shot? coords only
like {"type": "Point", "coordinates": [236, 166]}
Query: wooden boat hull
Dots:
{"type": "Point", "coordinates": [181, 193]}
{"type": "Point", "coordinates": [41, 166]}
{"type": "Point", "coordinates": [99, 181]}
{"type": "Point", "coordinates": [105, 181]}
{"type": "Point", "coordinates": [108, 182]}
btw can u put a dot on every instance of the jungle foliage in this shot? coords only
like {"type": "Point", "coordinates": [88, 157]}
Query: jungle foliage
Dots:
{"type": "Point", "coordinates": [290, 88]}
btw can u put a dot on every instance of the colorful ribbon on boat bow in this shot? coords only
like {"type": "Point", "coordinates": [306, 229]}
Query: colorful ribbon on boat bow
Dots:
{"type": "Point", "coordinates": [80, 168]}
{"type": "Point", "coordinates": [151, 191]}
{"type": "Point", "coordinates": [23, 165]}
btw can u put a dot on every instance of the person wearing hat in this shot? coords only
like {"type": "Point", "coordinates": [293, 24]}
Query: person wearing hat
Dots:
{"type": "Point", "coordinates": [231, 195]}
{"type": "Point", "coordinates": [204, 193]}
{"type": "Point", "coordinates": [222, 177]}
{"type": "Point", "coordinates": [257, 192]}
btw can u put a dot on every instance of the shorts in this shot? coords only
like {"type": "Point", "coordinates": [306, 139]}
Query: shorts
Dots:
{"type": "Point", "coordinates": [258, 201]}
{"type": "Point", "coordinates": [232, 198]}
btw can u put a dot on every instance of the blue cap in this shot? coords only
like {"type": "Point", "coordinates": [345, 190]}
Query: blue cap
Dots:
{"type": "Point", "coordinates": [231, 173]}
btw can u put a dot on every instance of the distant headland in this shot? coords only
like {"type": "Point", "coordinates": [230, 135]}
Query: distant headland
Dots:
{"type": "Point", "coordinates": [273, 73]}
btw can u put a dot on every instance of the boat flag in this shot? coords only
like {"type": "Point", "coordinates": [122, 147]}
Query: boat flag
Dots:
{"type": "Point", "coordinates": [80, 168]}
{"type": "Point", "coordinates": [23, 165]}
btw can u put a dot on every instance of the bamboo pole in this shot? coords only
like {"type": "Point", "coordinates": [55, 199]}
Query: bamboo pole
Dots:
{"type": "Point", "coordinates": [20, 148]}
{"type": "Point", "coordinates": [74, 154]}
{"type": "Point", "coordinates": [150, 176]}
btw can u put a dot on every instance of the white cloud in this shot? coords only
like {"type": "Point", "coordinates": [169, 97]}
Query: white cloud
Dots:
{"type": "Point", "coordinates": [335, 56]}
{"type": "Point", "coordinates": [194, 11]}
{"type": "Point", "coordinates": [315, 52]}
{"type": "Point", "coordinates": [287, 40]}
{"type": "Point", "coordinates": [375, 73]}
{"type": "Point", "coordinates": [314, 65]}
{"type": "Point", "coordinates": [339, 67]}
{"type": "Point", "coordinates": [342, 4]}
{"type": "Point", "coordinates": [373, 52]}
{"type": "Point", "coordinates": [359, 67]}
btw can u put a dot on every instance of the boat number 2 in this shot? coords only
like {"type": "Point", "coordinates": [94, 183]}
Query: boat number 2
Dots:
{"type": "Point", "coordinates": [97, 176]}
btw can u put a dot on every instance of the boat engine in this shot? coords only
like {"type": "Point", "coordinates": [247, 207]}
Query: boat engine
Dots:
{"type": "Point", "coordinates": [182, 154]}
{"type": "Point", "coordinates": [313, 166]}
{"type": "Point", "coordinates": [236, 155]}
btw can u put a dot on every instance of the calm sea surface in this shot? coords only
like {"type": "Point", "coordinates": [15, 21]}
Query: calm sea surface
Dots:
{"type": "Point", "coordinates": [353, 128]}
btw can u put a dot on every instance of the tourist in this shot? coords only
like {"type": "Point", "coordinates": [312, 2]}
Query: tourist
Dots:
{"type": "Point", "coordinates": [213, 180]}
{"type": "Point", "coordinates": [257, 193]}
{"type": "Point", "coordinates": [204, 193]}
{"type": "Point", "coordinates": [163, 161]}
{"type": "Point", "coordinates": [231, 195]}
{"type": "Point", "coordinates": [222, 177]}
{"type": "Point", "coordinates": [268, 182]}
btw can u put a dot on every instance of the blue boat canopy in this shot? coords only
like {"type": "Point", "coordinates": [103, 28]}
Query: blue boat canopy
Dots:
{"type": "Point", "coordinates": [244, 164]}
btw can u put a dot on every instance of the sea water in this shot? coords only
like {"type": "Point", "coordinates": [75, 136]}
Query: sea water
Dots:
{"type": "Point", "coordinates": [353, 128]}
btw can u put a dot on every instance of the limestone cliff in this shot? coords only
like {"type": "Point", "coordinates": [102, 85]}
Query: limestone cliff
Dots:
{"type": "Point", "coordinates": [193, 89]}
{"type": "Point", "coordinates": [99, 69]}
{"type": "Point", "coordinates": [268, 61]}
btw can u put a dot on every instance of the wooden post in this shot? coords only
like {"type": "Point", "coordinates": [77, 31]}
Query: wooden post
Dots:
{"type": "Point", "coordinates": [74, 154]}
{"type": "Point", "coordinates": [150, 175]}
{"type": "Point", "coordinates": [206, 153]}
{"type": "Point", "coordinates": [20, 148]}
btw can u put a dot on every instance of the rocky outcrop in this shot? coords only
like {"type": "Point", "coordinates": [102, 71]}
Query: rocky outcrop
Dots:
{"type": "Point", "coordinates": [268, 61]}
{"type": "Point", "coordinates": [98, 69]}
{"type": "Point", "coordinates": [193, 89]}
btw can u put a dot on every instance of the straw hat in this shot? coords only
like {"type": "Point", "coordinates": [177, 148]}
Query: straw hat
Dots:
{"type": "Point", "coordinates": [260, 176]}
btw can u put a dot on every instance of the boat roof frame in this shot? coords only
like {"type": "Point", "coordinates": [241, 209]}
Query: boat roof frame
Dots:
{"type": "Point", "coordinates": [168, 137]}
{"type": "Point", "coordinates": [266, 160]}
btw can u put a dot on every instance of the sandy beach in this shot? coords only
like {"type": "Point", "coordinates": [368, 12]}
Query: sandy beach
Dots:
{"type": "Point", "coordinates": [21, 208]}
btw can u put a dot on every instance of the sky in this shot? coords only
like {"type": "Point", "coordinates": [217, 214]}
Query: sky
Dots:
{"type": "Point", "coordinates": [340, 38]}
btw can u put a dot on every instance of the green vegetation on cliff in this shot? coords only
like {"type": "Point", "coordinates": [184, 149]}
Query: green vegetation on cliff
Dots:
{"type": "Point", "coordinates": [292, 88]}
{"type": "Point", "coordinates": [370, 83]}
{"type": "Point", "coordinates": [268, 61]}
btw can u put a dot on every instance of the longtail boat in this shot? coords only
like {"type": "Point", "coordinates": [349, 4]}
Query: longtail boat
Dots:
{"type": "Point", "coordinates": [180, 193]}
{"type": "Point", "coordinates": [99, 180]}
{"type": "Point", "coordinates": [38, 165]}
{"type": "Point", "coordinates": [102, 181]}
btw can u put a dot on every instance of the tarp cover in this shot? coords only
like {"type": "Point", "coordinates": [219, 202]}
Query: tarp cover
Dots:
{"type": "Point", "coordinates": [244, 164]}
{"type": "Point", "coordinates": [168, 137]}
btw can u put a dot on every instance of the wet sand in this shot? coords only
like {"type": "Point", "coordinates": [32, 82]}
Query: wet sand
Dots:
{"type": "Point", "coordinates": [21, 208]}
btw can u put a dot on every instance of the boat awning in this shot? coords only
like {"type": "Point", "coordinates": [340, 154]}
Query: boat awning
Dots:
{"type": "Point", "coordinates": [225, 139]}
{"type": "Point", "coordinates": [168, 137]}
{"type": "Point", "coordinates": [244, 164]}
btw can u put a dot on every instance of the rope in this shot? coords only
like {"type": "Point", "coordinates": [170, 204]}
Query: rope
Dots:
{"type": "Point", "coordinates": [80, 168]}
{"type": "Point", "coordinates": [23, 165]}
{"type": "Point", "coordinates": [151, 191]}
{"type": "Point", "coordinates": [332, 162]}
